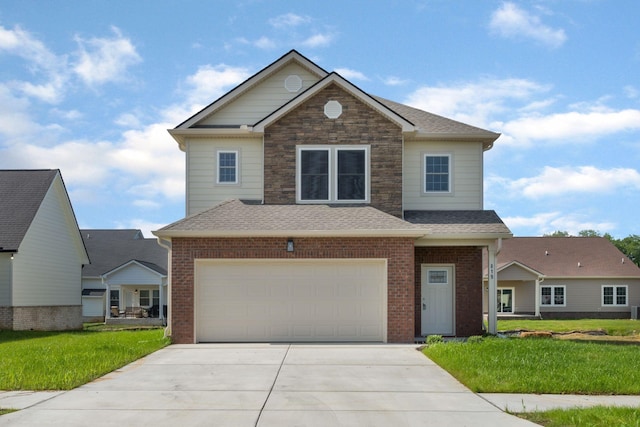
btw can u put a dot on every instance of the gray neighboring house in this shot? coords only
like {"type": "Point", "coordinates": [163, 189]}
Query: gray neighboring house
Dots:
{"type": "Point", "coordinates": [565, 278]}
{"type": "Point", "coordinates": [127, 278]}
{"type": "Point", "coordinates": [41, 253]}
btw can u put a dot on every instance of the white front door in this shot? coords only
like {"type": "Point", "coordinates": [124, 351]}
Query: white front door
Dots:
{"type": "Point", "coordinates": [437, 300]}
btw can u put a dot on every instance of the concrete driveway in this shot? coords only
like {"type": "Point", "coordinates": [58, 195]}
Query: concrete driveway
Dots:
{"type": "Point", "coordinates": [271, 385]}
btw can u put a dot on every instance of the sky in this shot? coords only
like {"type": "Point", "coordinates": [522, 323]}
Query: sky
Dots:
{"type": "Point", "coordinates": [91, 87]}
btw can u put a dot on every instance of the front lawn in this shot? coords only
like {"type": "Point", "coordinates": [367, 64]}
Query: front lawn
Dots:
{"type": "Point", "coordinates": [539, 365]}
{"type": "Point", "coordinates": [64, 360]}
{"type": "Point", "coordinates": [617, 327]}
{"type": "Point", "coordinates": [586, 417]}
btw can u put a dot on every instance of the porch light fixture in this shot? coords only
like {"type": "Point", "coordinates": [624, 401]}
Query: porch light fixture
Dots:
{"type": "Point", "coordinates": [290, 245]}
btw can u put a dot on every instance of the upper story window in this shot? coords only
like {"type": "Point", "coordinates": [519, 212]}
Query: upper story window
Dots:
{"type": "Point", "coordinates": [437, 173]}
{"type": "Point", "coordinates": [227, 167]}
{"type": "Point", "coordinates": [333, 174]}
{"type": "Point", "coordinates": [614, 295]}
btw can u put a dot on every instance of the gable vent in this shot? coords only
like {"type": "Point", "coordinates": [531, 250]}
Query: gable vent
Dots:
{"type": "Point", "coordinates": [332, 109]}
{"type": "Point", "coordinates": [293, 83]}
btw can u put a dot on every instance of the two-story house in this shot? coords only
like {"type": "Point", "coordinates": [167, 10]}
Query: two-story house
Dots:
{"type": "Point", "coordinates": [318, 212]}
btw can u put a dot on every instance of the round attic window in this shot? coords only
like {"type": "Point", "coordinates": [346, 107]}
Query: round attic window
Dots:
{"type": "Point", "coordinates": [332, 109]}
{"type": "Point", "coordinates": [293, 83]}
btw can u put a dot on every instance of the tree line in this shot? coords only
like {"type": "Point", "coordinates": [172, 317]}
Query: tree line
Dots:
{"type": "Point", "coordinates": [630, 245]}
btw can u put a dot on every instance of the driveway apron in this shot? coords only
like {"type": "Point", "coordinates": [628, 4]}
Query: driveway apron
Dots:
{"type": "Point", "coordinates": [271, 385]}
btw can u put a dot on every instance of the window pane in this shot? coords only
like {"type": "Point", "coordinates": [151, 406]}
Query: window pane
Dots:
{"type": "Point", "coordinates": [546, 295]}
{"type": "Point", "coordinates": [436, 173]}
{"type": "Point", "coordinates": [621, 295]}
{"type": "Point", "coordinates": [156, 297]}
{"type": "Point", "coordinates": [607, 295]}
{"type": "Point", "coordinates": [227, 167]}
{"type": "Point", "coordinates": [351, 175]}
{"type": "Point", "coordinates": [144, 297]}
{"type": "Point", "coordinates": [558, 298]}
{"type": "Point", "coordinates": [114, 298]}
{"type": "Point", "coordinates": [314, 175]}
{"type": "Point", "coordinates": [438, 276]}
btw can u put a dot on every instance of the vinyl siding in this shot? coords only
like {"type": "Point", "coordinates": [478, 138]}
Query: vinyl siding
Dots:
{"type": "Point", "coordinates": [466, 183]}
{"type": "Point", "coordinates": [133, 274]}
{"type": "Point", "coordinates": [202, 190]}
{"type": "Point", "coordinates": [5, 279]}
{"type": "Point", "coordinates": [48, 265]}
{"type": "Point", "coordinates": [92, 283]}
{"type": "Point", "coordinates": [261, 100]}
{"type": "Point", "coordinates": [585, 295]}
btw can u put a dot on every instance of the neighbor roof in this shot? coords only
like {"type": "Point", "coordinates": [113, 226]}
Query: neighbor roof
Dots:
{"type": "Point", "coordinates": [568, 256]}
{"type": "Point", "coordinates": [21, 194]}
{"type": "Point", "coordinates": [241, 218]}
{"type": "Point", "coordinates": [109, 249]}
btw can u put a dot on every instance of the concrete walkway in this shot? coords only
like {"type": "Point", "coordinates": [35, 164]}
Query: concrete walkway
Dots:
{"type": "Point", "coordinates": [268, 385]}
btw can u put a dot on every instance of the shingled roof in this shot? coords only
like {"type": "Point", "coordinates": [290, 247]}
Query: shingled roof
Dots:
{"type": "Point", "coordinates": [459, 223]}
{"type": "Point", "coordinates": [21, 194]}
{"type": "Point", "coordinates": [109, 249]}
{"type": "Point", "coordinates": [235, 218]}
{"type": "Point", "coordinates": [568, 257]}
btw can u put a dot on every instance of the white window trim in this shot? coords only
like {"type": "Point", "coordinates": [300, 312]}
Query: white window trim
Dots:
{"type": "Point", "coordinates": [553, 295]}
{"type": "Point", "coordinates": [218, 153]}
{"type": "Point", "coordinates": [513, 300]}
{"type": "Point", "coordinates": [333, 172]}
{"type": "Point", "coordinates": [615, 296]}
{"type": "Point", "coordinates": [424, 174]}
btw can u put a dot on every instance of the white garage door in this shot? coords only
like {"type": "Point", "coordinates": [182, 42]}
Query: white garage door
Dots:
{"type": "Point", "coordinates": [290, 300]}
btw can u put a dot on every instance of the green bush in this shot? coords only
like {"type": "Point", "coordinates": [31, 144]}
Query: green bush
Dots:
{"type": "Point", "coordinates": [434, 339]}
{"type": "Point", "coordinates": [475, 339]}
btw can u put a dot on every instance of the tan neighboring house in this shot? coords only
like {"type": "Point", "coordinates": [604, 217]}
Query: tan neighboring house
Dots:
{"type": "Point", "coordinates": [41, 253]}
{"type": "Point", "coordinates": [565, 278]}
{"type": "Point", "coordinates": [318, 212]}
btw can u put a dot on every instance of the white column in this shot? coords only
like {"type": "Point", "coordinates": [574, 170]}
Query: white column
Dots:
{"type": "Point", "coordinates": [537, 298]}
{"type": "Point", "coordinates": [492, 312]}
{"type": "Point", "coordinates": [107, 298]}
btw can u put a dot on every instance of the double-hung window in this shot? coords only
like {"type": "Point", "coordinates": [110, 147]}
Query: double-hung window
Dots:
{"type": "Point", "coordinates": [553, 296]}
{"type": "Point", "coordinates": [227, 167]}
{"type": "Point", "coordinates": [437, 173]}
{"type": "Point", "coordinates": [333, 174]}
{"type": "Point", "coordinates": [144, 298]}
{"type": "Point", "coordinates": [614, 295]}
{"type": "Point", "coordinates": [114, 298]}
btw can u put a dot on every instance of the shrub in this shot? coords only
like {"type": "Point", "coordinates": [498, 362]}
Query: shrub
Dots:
{"type": "Point", "coordinates": [434, 339]}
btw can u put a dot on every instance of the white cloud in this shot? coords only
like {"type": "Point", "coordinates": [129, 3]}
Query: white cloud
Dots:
{"type": "Point", "coordinates": [265, 43]}
{"type": "Point", "coordinates": [631, 92]}
{"type": "Point", "coordinates": [103, 60]}
{"type": "Point", "coordinates": [394, 81]}
{"type": "Point", "coordinates": [318, 40]}
{"type": "Point", "coordinates": [289, 20]}
{"type": "Point", "coordinates": [548, 222]}
{"type": "Point", "coordinates": [474, 102]}
{"type": "Point", "coordinates": [559, 181]}
{"type": "Point", "coordinates": [510, 21]}
{"type": "Point", "coordinates": [351, 74]}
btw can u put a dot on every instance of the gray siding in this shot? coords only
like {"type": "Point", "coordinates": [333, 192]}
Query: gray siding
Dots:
{"type": "Point", "coordinates": [5, 279]}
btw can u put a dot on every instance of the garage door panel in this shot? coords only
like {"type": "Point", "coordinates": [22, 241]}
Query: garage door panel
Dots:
{"type": "Point", "coordinates": [290, 300]}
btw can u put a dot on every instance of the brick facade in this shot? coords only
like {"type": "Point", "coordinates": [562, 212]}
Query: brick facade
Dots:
{"type": "Point", "coordinates": [468, 285]}
{"type": "Point", "coordinates": [359, 124]}
{"type": "Point", "coordinates": [400, 269]}
{"type": "Point", "coordinates": [41, 318]}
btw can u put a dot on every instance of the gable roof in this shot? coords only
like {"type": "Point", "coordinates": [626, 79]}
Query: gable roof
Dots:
{"type": "Point", "coordinates": [412, 120]}
{"type": "Point", "coordinates": [109, 249]}
{"type": "Point", "coordinates": [561, 257]}
{"type": "Point", "coordinates": [21, 194]}
{"type": "Point", "coordinates": [238, 218]}
{"type": "Point", "coordinates": [144, 264]}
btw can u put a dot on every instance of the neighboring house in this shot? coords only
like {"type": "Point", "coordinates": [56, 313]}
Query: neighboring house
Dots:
{"type": "Point", "coordinates": [566, 277]}
{"type": "Point", "coordinates": [317, 212]}
{"type": "Point", "coordinates": [41, 253]}
{"type": "Point", "coordinates": [127, 277]}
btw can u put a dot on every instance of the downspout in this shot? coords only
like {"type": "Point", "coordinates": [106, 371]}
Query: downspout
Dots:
{"type": "Point", "coordinates": [167, 245]}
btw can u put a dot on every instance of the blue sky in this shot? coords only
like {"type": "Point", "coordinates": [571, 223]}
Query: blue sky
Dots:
{"type": "Point", "coordinates": [90, 87]}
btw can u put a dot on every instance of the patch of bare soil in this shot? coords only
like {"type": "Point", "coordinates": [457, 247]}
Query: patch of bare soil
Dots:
{"type": "Point", "coordinates": [598, 336]}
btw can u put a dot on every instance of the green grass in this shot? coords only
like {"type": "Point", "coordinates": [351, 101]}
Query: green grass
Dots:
{"type": "Point", "coordinates": [619, 327]}
{"type": "Point", "coordinates": [64, 360]}
{"type": "Point", "coordinates": [532, 365]}
{"type": "Point", "coordinates": [586, 417]}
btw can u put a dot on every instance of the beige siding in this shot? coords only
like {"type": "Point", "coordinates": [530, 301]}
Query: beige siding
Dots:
{"type": "Point", "coordinates": [258, 102]}
{"type": "Point", "coordinates": [92, 283]}
{"type": "Point", "coordinates": [48, 266]}
{"type": "Point", "coordinates": [523, 295]}
{"type": "Point", "coordinates": [5, 279]}
{"type": "Point", "coordinates": [515, 272]}
{"type": "Point", "coordinates": [134, 274]}
{"type": "Point", "coordinates": [466, 159]}
{"type": "Point", "coordinates": [585, 295]}
{"type": "Point", "coordinates": [202, 190]}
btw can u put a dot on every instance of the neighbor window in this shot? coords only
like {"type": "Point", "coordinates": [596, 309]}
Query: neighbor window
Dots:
{"type": "Point", "coordinates": [227, 167]}
{"type": "Point", "coordinates": [614, 295]}
{"type": "Point", "coordinates": [114, 298]}
{"type": "Point", "coordinates": [144, 298]}
{"type": "Point", "coordinates": [333, 174]}
{"type": "Point", "coordinates": [552, 295]}
{"type": "Point", "coordinates": [437, 173]}
{"type": "Point", "coordinates": [156, 298]}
